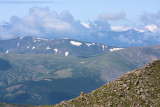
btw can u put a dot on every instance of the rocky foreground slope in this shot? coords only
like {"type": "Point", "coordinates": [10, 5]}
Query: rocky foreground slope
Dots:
{"type": "Point", "coordinates": [138, 88]}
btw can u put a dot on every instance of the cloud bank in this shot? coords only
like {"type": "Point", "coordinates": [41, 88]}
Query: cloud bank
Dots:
{"type": "Point", "coordinates": [148, 18]}
{"type": "Point", "coordinates": [43, 22]}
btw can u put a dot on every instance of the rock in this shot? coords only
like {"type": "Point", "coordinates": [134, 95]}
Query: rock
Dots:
{"type": "Point", "coordinates": [141, 90]}
{"type": "Point", "coordinates": [81, 95]}
{"type": "Point", "coordinates": [136, 83]}
{"type": "Point", "coordinates": [128, 81]}
{"type": "Point", "coordinates": [120, 95]}
{"type": "Point", "coordinates": [124, 85]}
{"type": "Point", "coordinates": [127, 88]}
{"type": "Point", "coordinates": [138, 73]}
{"type": "Point", "coordinates": [138, 92]}
{"type": "Point", "coordinates": [143, 97]}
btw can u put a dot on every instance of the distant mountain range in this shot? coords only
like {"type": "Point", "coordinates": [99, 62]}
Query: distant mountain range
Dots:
{"type": "Point", "coordinates": [46, 79]}
{"type": "Point", "coordinates": [128, 38]}
{"type": "Point", "coordinates": [66, 46]}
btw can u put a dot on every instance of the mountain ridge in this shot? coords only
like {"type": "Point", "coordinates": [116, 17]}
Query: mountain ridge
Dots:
{"type": "Point", "coordinates": [61, 46]}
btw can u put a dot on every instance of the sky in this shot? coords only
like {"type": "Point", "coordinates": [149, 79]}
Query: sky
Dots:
{"type": "Point", "coordinates": [68, 15]}
{"type": "Point", "coordinates": [83, 10]}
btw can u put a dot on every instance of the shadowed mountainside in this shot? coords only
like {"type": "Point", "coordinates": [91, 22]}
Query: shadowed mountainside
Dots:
{"type": "Point", "coordinates": [137, 88]}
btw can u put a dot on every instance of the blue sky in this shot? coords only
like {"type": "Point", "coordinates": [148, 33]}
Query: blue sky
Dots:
{"type": "Point", "coordinates": [76, 17]}
{"type": "Point", "coordinates": [85, 10]}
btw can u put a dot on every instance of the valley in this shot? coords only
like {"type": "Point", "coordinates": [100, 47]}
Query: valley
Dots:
{"type": "Point", "coordinates": [34, 79]}
{"type": "Point", "coordinates": [136, 88]}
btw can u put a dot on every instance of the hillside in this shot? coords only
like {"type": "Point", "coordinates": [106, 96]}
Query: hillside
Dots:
{"type": "Point", "coordinates": [137, 88]}
{"type": "Point", "coordinates": [25, 78]}
{"type": "Point", "coordinates": [64, 46]}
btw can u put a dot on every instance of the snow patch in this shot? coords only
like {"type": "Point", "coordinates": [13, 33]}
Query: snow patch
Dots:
{"type": "Point", "coordinates": [17, 44]}
{"type": "Point", "coordinates": [88, 44]}
{"type": "Point", "coordinates": [66, 38]}
{"type": "Point", "coordinates": [93, 44]}
{"type": "Point", "coordinates": [115, 49]}
{"type": "Point", "coordinates": [21, 37]}
{"type": "Point", "coordinates": [103, 47]}
{"type": "Point", "coordinates": [48, 48]}
{"type": "Point", "coordinates": [42, 39]}
{"type": "Point", "coordinates": [33, 47]}
{"type": "Point", "coordinates": [35, 41]}
{"type": "Point", "coordinates": [56, 50]}
{"type": "Point", "coordinates": [75, 43]}
{"type": "Point", "coordinates": [7, 51]}
{"type": "Point", "coordinates": [47, 79]}
{"type": "Point", "coordinates": [82, 62]}
{"type": "Point", "coordinates": [38, 39]}
{"type": "Point", "coordinates": [66, 53]}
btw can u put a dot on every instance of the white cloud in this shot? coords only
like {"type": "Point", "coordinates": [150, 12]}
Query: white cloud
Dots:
{"type": "Point", "coordinates": [99, 26]}
{"type": "Point", "coordinates": [56, 25]}
{"type": "Point", "coordinates": [123, 38]}
{"type": "Point", "coordinates": [140, 30]}
{"type": "Point", "coordinates": [86, 25]}
{"type": "Point", "coordinates": [120, 28]}
{"type": "Point", "coordinates": [125, 28]}
{"type": "Point", "coordinates": [111, 16]}
{"type": "Point", "coordinates": [148, 18]}
{"type": "Point", "coordinates": [4, 34]}
{"type": "Point", "coordinates": [152, 28]}
{"type": "Point", "coordinates": [128, 40]}
{"type": "Point", "coordinates": [43, 22]}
